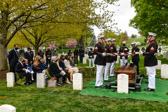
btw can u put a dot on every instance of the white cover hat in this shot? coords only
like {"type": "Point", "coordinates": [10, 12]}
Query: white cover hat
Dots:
{"type": "Point", "coordinates": [123, 42]}
{"type": "Point", "coordinates": [100, 37]}
{"type": "Point", "coordinates": [133, 43]}
{"type": "Point", "coordinates": [114, 40]}
{"type": "Point", "coordinates": [107, 40]}
{"type": "Point", "coordinates": [152, 34]}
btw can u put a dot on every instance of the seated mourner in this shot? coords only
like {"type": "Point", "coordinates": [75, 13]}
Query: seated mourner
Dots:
{"type": "Point", "coordinates": [29, 68]}
{"type": "Point", "coordinates": [68, 65]}
{"type": "Point", "coordinates": [71, 60]}
{"type": "Point", "coordinates": [22, 71]}
{"type": "Point", "coordinates": [35, 66]}
{"type": "Point", "coordinates": [55, 71]}
{"type": "Point", "coordinates": [42, 66]}
{"type": "Point", "coordinates": [64, 74]}
{"type": "Point", "coordinates": [62, 65]}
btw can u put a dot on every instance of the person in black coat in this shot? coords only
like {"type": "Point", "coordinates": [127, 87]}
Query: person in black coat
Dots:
{"type": "Point", "coordinates": [100, 62]}
{"type": "Point", "coordinates": [29, 55]}
{"type": "Point", "coordinates": [135, 57]}
{"type": "Point", "coordinates": [150, 61]}
{"type": "Point", "coordinates": [54, 71]}
{"type": "Point", "coordinates": [48, 56]}
{"type": "Point", "coordinates": [22, 71]}
{"type": "Point", "coordinates": [76, 53]}
{"type": "Point", "coordinates": [13, 58]}
{"type": "Point", "coordinates": [81, 54]}
{"type": "Point", "coordinates": [69, 52]}
{"type": "Point", "coordinates": [41, 53]}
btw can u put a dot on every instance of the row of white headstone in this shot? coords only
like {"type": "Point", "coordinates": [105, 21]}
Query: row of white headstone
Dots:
{"type": "Point", "coordinates": [77, 80]}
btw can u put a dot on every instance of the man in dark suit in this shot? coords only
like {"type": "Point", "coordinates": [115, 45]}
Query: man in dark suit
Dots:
{"type": "Point", "coordinates": [29, 55]}
{"type": "Point", "coordinates": [81, 54]}
{"type": "Point", "coordinates": [13, 58]}
{"type": "Point", "coordinates": [22, 71]}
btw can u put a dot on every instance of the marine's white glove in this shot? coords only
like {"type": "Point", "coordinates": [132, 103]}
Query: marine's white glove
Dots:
{"type": "Point", "coordinates": [103, 54]}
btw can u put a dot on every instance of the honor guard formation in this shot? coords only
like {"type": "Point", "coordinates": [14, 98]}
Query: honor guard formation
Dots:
{"type": "Point", "coordinates": [106, 57]}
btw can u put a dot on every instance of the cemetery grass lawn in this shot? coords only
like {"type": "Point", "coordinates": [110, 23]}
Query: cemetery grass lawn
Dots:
{"type": "Point", "coordinates": [137, 40]}
{"type": "Point", "coordinates": [64, 99]}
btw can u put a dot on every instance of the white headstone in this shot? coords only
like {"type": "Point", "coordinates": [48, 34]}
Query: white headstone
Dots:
{"type": "Point", "coordinates": [164, 55]}
{"type": "Point", "coordinates": [77, 81]}
{"type": "Point", "coordinates": [122, 83]}
{"type": "Point", "coordinates": [118, 58]}
{"type": "Point", "coordinates": [87, 57]}
{"type": "Point", "coordinates": [10, 79]}
{"type": "Point", "coordinates": [84, 60]}
{"type": "Point", "coordinates": [159, 53]}
{"type": "Point", "coordinates": [158, 67]}
{"type": "Point", "coordinates": [7, 108]}
{"type": "Point", "coordinates": [40, 80]}
{"type": "Point", "coordinates": [78, 57]}
{"type": "Point", "coordinates": [164, 71]}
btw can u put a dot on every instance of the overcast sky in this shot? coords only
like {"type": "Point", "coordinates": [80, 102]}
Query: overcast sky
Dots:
{"type": "Point", "coordinates": [123, 14]}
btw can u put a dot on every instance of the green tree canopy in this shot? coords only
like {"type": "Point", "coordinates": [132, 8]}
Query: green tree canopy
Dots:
{"type": "Point", "coordinates": [151, 17]}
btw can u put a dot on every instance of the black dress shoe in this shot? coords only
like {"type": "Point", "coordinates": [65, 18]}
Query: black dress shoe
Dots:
{"type": "Point", "coordinates": [26, 83]}
{"type": "Point", "coordinates": [107, 80]}
{"type": "Point", "coordinates": [148, 89]}
{"type": "Point", "coordinates": [99, 86]}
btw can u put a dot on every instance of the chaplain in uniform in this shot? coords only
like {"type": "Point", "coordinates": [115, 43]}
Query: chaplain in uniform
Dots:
{"type": "Point", "coordinates": [150, 61]}
{"type": "Point", "coordinates": [100, 62]}
{"type": "Point", "coordinates": [114, 58]}
{"type": "Point", "coordinates": [123, 58]}
{"type": "Point", "coordinates": [109, 60]}
{"type": "Point", "coordinates": [135, 57]}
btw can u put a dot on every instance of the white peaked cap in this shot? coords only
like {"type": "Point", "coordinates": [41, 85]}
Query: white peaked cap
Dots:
{"type": "Point", "coordinates": [114, 40]}
{"type": "Point", "coordinates": [133, 43]}
{"type": "Point", "coordinates": [151, 33]}
{"type": "Point", "coordinates": [100, 37]}
{"type": "Point", "coordinates": [107, 40]}
{"type": "Point", "coordinates": [123, 42]}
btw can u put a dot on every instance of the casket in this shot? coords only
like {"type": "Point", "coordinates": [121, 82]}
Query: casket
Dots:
{"type": "Point", "coordinates": [129, 70]}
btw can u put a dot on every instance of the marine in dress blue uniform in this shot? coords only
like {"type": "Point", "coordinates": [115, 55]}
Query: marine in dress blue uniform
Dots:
{"type": "Point", "coordinates": [109, 61]}
{"type": "Point", "coordinates": [100, 62]}
{"type": "Point", "coordinates": [114, 58]}
{"type": "Point", "coordinates": [150, 61]}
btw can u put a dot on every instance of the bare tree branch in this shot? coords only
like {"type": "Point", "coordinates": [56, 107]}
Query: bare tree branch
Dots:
{"type": "Point", "coordinates": [29, 40]}
{"type": "Point", "coordinates": [30, 32]}
{"type": "Point", "coordinates": [16, 30]}
{"type": "Point", "coordinates": [15, 19]}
